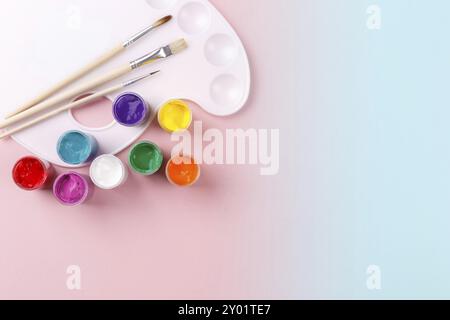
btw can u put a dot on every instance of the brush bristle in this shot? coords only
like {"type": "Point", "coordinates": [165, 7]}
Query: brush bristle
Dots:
{"type": "Point", "coordinates": [178, 46]}
{"type": "Point", "coordinates": [162, 21]}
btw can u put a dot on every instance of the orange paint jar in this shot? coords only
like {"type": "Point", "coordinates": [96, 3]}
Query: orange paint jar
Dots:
{"type": "Point", "coordinates": [182, 171]}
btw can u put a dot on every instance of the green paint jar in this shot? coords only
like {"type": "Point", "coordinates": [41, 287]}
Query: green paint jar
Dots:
{"type": "Point", "coordinates": [145, 158]}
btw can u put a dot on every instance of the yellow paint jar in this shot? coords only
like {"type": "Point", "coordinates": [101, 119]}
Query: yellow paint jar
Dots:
{"type": "Point", "coordinates": [175, 115]}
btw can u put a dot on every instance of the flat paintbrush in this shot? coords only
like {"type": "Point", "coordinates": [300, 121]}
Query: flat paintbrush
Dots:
{"type": "Point", "coordinates": [161, 53]}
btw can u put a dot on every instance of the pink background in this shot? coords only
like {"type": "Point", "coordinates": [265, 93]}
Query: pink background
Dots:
{"type": "Point", "coordinates": [233, 235]}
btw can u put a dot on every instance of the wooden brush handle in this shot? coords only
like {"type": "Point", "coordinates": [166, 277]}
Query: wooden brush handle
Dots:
{"type": "Point", "coordinates": [66, 95]}
{"type": "Point", "coordinates": [77, 75]}
{"type": "Point", "coordinates": [55, 112]}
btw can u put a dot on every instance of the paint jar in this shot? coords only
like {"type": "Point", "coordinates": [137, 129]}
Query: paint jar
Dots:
{"type": "Point", "coordinates": [175, 115]}
{"type": "Point", "coordinates": [76, 147]}
{"type": "Point", "coordinates": [182, 171]}
{"type": "Point", "coordinates": [145, 158]}
{"type": "Point", "coordinates": [31, 173]}
{"type": "Point", "coordinates": [130, 109]}
{"type": "Point", "coordinates": [108, 172]}
{"type": "Point", "coordinates": [71, 189]}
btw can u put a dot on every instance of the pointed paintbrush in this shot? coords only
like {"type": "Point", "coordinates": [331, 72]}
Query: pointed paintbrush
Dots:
{"type": "Point", "coordinates": [74, 104]}
{"type": "Point", "coordinates": [158, 54]}
{"type": "Point", "coordinates": [93, 65]}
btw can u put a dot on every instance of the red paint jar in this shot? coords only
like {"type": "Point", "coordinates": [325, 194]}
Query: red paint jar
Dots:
{"type": "Point", "coordinates": [31, 173]}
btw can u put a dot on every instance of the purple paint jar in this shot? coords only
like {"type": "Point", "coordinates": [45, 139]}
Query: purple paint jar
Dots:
{"type": "Point", "coordinates": [71, 189]}
{"type": "Point", "coordinates": [130, 109]}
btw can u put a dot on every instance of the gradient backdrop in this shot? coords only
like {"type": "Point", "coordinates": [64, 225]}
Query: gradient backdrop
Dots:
{"type": "Point", "coordinates": [364, 177]}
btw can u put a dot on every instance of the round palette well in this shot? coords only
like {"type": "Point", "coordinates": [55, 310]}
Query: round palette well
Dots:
{"type": "Point", "coordinates": [213, 72]}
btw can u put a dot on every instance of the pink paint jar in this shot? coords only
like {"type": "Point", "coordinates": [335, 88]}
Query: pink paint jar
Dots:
{"type": "Point", "coordinates": [71, 189]}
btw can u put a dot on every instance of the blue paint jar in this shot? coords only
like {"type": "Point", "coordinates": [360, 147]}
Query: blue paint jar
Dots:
{"type": "Point", "coordinates": [76, 147]}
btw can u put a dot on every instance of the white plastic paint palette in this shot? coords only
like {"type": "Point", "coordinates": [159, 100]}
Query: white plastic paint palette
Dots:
{"type": "Point", "coordinates": [46, 40]}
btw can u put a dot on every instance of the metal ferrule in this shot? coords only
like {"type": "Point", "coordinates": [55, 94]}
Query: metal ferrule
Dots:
{"type": "Point", "coordinates": [137, 36]}
{"type": "Point", "coordinates": [133, 81]}
{"type": "Point", "coordinates": [151, 57]}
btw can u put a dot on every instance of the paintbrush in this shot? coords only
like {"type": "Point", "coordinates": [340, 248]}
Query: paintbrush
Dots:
{"type": "Point", "coordinates": [93, 65]}
{"type": "Point", "coordinates": [161, 53]}
{"type": "Point", "coordinates": [75, 104]}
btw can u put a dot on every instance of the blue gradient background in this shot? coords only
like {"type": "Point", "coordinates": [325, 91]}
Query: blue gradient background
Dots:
{"type": "Point", "coordinates": [375, 150]}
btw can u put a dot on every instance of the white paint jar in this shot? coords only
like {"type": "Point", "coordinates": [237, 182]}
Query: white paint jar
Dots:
{"type": "Point", "coordinates": [108, 172]}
